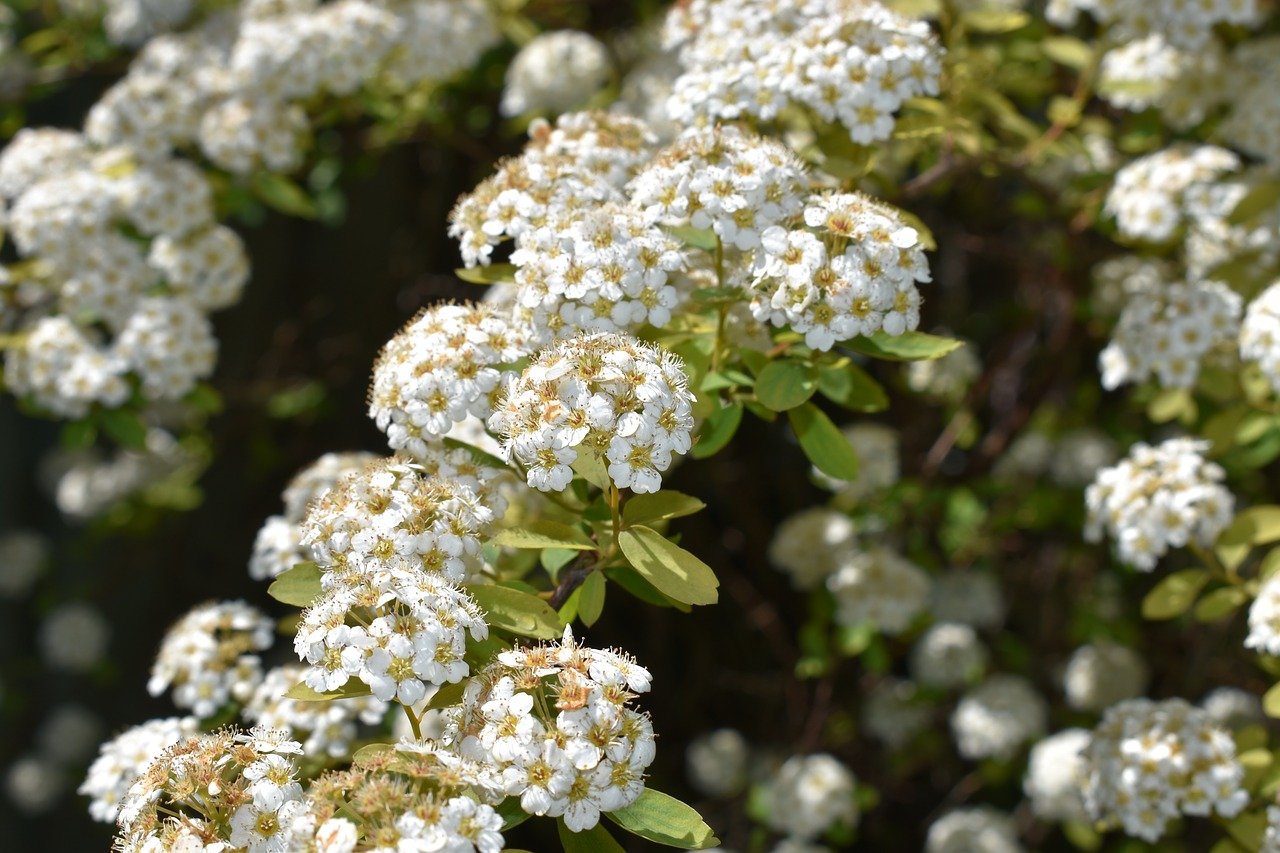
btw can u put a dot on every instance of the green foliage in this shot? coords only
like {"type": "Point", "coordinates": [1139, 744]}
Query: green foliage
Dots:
{"type": "Point", "coordinates": [297, 586]}
{"type": "Point", "coordinates": [823, 442]}
{"type": "Point", "coordinates": [1175, 594]}
{"type": "Point", "coordinates": [544, 533]}
{"type": "Point", "coordinates": [672, 570]}
{"type": "Point", "coordinates": [665, 820]}
{"type": "Point", "coordinates": [659, 506]}
{"type": "Point", "coordinates": [785, 384]}
{"type": "Point", "coordinates": [517, 612]}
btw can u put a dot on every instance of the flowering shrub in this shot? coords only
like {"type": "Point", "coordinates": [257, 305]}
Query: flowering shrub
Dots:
{"type": "Point", "coordinates": [916, 576]}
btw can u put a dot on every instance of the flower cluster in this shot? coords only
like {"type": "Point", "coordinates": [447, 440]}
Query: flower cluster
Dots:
{"type": "Point", "coordinates": [1055, 772]}
{"type": "Point", "coordinates": [994, 719]}
{"type": "Point", "coordinates": [1253, 125]}
{"type": "Point", "coordinates": [1149, 762]}
{"type": "Point", "coordinates": [1260, 334]}
{"type": "Point", "coordinates": [555, 72]}
{"type": "Point", "coordinates": [716, 762]}
{"type": "Point", "coordinates": [812, 544]}
{"type": "Point", "coordinates": [725, 179]}
{"type": "Point", "coordinates": [1099, 675]}
{"type": "Point", "coordinates": [808, 795]}
{"type": "Point", "coordinates": [598, 269]}
{"type": "Point", "coordinates": [1166, 331]}
{"type": "Point", "coordinates": [556, 723]}
{"type": "Point", "coordinates": [1147, 197]}
{"type": "Point", "coordinates": [132, 22]}
{"type": "Point", "coordinates": [123, 759]}
{"type": "Point", "coordinates": [124, 262]}
{"type": "Point", "coordinates": [226, 789]}
{"type": "Point", "coordinates": [623, 402]}
{"type": "Point", "coordinates": [324, 728]}
{"type": "Point", "coordinates": [391, 545]}
{"type": "Point", "coordinates": [879, 586]}
{"type": "Point", "coordinates": [949, 654]}
{"type": "Point", "coordinates": [1264, 618]}
{"type": "Point", "coordinates": [582, 160]}
{"type": "Point", "coordinates": [980, 829]}
{"type": "Point", "coordinates": [1157, 498]}
{"type": "Point", "coordinates": [208, 657]}
{"type": "Point", "coordinates": [879, 466]}
{"type": "Point", "coordinates": [441, 368]}
{"type": "Point", "coordinates": [848, 61]}
{"type": "Point", "coordinates": [849, 269]}
{"type": "Point", "coordinates": [278, 546]}
{"type": "Point", "coordinates": [1186, 26]}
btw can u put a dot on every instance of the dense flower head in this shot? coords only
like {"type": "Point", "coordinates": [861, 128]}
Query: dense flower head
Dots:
{"type": "Point", "coordinates": [848, 267]}
{"type": "Point", "coordinates": [977, 829]}
{"type": "Point", "coordinates": [582, 160]}
{"type": "Point", "coordinates": [725, 179]}
{"type": "Point", "coordinates": [1055, 772]}
{"type": "Point", "coordinates": [1185, 25]}
{"type": "Point", "coordinates": [809, 794]}
{"type": "Point", "coordinates": [1253, 125]}
{"type": "Point", "coordinates": [848, 61]}
{"type": "Point", "coordinates": [1264, 618]}
{"type": "Point", "coordinates": [1146, 72]}
{"type": "Point", "coordinates": [879, 586]}
{"type": "Point", "coordinates": [1232, 707]}
{"type": "Point", "coordinates": [995, 719]}
{"type": "Point", "coordinates": [949, 654]}
{"type": "Point", "coordinates": [209, 656]}
{"type": "Point", "coordinates": [123, 759]}
{"type": "Point", "coordinates": [1166, 331]}
{"type": "Point", "coordinates": [601, 269]}
{"type": "Point", "coordinates": [250, 776]}
{"type": "Point", "coordinates": [811, 544]}
{"type": "Point", "coordinates": [323, 728]}
{"type": "Point", "coordinates": [442, 367]}
{"type": "Point", "coordinates": [1158, 498]}
{"type": "Point", "coordinates": [555, 72]}
{"type": "Point", "coordinates": [556, 723]}
{"type": "Point", "coordinates": [623, 402]}
{"type": "Point", "coordinates": [1147, 197]}
{"type": "Point", "coordinates": [132, 22]}
{"type": "Point", "coordinates": [1149, 762]}
{"type": "Point", "coordinates": [1099, 675]}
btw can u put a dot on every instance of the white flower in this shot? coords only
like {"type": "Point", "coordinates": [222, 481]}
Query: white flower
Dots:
{"type": "Point", "coordinates": [949, 654]}
{"type": "Point", "coordinates": [555, 72]}
{"type": "Point", "coordinates": [1055, 773]}
{"type": "Point", "coordinates": [878, 586]}
{"type": "Point", "coordinates": [809, 794]}
{"type": "Point", "coordinates": [994, 719]}
{"type": "Point", "coordinates": [980, 829]}
{"type": "Point", "coordinates": [1100, 675]}
{"type": "Point", "coordinates": [716, 762]}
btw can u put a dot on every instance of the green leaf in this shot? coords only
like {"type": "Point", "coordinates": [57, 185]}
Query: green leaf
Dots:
{"type": "Point", "coordinates": [353, 688]}
{"type": "Point", "coordinates": [205, 399]}
{"type": "Point", "coordinates": [589, 467]}
{"type": "Point", "coordinates": [447, 696]}
{"type": "Point", "coordinates": [78, 435]}
{"type": "Point", "coordinates": [1271, 701]}
{"type": "Point", "coordinates": [1260, 198]}
{"type": "Point", "coordinates": [994, 20]}
{"type": "Point", "coordinates": [371, 752]}
{"type": "Point", "coordinates": [1068, 51]}
{"type": "Point", "coordinates": [512, 814]}
{"type": "Point", "coordinates": [594, 840]}
{"type": "Point", "coordinates": [1257, 525]}
{"type": "Point", "coordinates": [515, 611]}
{"type": "Point", "coordinates": [1175, 594]}
{"type": "Point", "coordinates": [544, 533]}
{"type": "Point", "coordinates": [823, 443]}
{"type": "Point", "coordinates": [699, 238]}
{"type": "Point", "coordinates": [665, 820]}
{"type": "Point", "coordinates": [1248, 829]}
{"type": "Point", "coordinates": [909, 346]}
{"type": "Point", "coordinates": [785, 384]}
{"type": "Point", "coordinates": [672, 570]}
{"type": "Point", "coordinates": [278, 192]}
{"type": "Point", "coordinates": [630, 580]}
{"type": "Point", "coordinates": [1269, 565]}
{"type": "Point", "coordinates": [491, 274]}
{"type": "Point", "coordinates": [481, 456]}
{"type": "Point", "coordinates": [125, 427]}
{"type": "Point", "coordinates": [591, 598]}
{"type": "Point", "coordinates": [656, 506]}
{"type": "Point", "coordinates": [1171, 404]}
{"type": "Point", "coordinates": [298, 586]}
{"type": "Point", "coordinates": [717, 431]}
{"type": "Point", "coordinates": [1219, 603]}
{"type": "Point", "coordinates": [848, 385]}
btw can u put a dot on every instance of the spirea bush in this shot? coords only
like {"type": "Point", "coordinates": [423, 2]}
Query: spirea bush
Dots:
{"type": "Point", "coordinates": [932, 346]}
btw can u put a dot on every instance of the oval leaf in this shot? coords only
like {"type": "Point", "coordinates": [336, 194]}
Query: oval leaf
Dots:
{"type": "Point", "coordinates": [665, 820]}
{"type": "Point", "coordinates": [909, 346]}
{"type": "Point", "coordinates": [594, 840]}
{"type": "Point", "coordinates": [591, 599]}
{"type": "Point", "coordinates": [353, 688]}
{"type": "Point", "coordinates": [492, 274]}
{"type": "Point", "coordinates": [848, 385]}
{"type": "Point", "coordinates": [784, 385]}
{"type": "Point", "coordinates": [642, 509]}
{"type": "Point", "coordinates": [672, 570]}
{"type": "Point", "coordinates": [515, 611]}
{"type": "Point", "coordinates": [298, 586]}
{"type": "Point", "coordinates": [1175, 594]}
{"type": "Point", "coordinates": [717, 431]}
{"type": "Point", "coordinates": [544, 533]}
{"type": "Point", "coordinates": [1219, 603]}
{"type": "Point", "coordinates": [823, 443]}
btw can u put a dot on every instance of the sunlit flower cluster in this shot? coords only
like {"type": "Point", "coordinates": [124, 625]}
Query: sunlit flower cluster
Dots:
{"type": "Point", "coordinates": [1149, 762]}
{"type": "Point", "coordinates": [812, 544]}
{"type": "Point", "coordinates": [209, 657]}
{"type": "Point", "coordinates": [1055, 773]}
{"type": "Point", "coordinates": [996, 718]}
{"type": "Point", "coordinates": [555, 72]}
{"type": "Point", "coordinates": [1099, 675]}
{"type": "Point", "coordinates": [979, 829]}
{"type": "Point", "coordinates": [1147, 197]}
{"type": "Point", "coordinates": [809, 794]}
{"type": "Point", "coordinates": [881, 587]}
{"type": "Point", "coordinates": [1156, 498]}
{"type": "Point", "coordinates": [123, 758]}
{"type": "Point", "coordinates": [1188, 26]}
{"type": "Point", "coordinates": [324, 728]}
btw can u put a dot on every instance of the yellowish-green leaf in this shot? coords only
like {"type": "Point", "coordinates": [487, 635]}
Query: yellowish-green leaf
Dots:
{"type": "Point", "coordinates": [698, 238]}
{"type": "Point", "coordinates": [657, 506]}
{"type": "Point", "coordinates": [591, 598]}
{"type": "Point", "coordinates": [353, 688]}
{"type": "Point", "coordinates": [823, 443]}
{"type": "Point", "coordinates": [1260, 198]}
{"type": "Point", "coordinates": [1248, 829]}
{"type": "Point", "coordinates": [544, 533]}
{"type": "Point", "coordinates": [589, 467]}
{"type": "Point", "coordinates": [1175, 594]}
{"type": "Point", "coordinates": [372, 753]}
{"type": "Point", "coordinates": [848, 385]}
{"type": "Point", "coordinates": [1171, 404]}
{"type": "Point", "coordinates": [594, 840]}
{"type": "Point", "coordinates": [1068, 51]}
{"type": "Point", "coordinates": [491, 274]}
{"type": "Point", "coordinates": [994, 20]}
{"type": "Point", "coordinates": [1271, 701]}
{"type": "Point", "coordinates": [909, 346]}
{"type": "Point", "coordinates": [1219, 603]}
{"type": "Point", "coordinates": [672, 570]}
{"type": "Point", "coordinates": [284, 195]}
{"type": "Point", "coordinates": [298, 586]}
{"type": "Point", "coordinates": [1270, 563]}
{"type": "Point", "coordinates": [665, 820]}
{"type": "Point", "coordinates": [785, 384]}
{"type": "Point", "coordinates": [717, 431]}
{"type": "Point", "coordinates": [517, 612]}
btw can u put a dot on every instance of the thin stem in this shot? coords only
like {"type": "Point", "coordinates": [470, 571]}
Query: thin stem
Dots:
{"type": "Point", "coordinates": [1212, 563]}
{"type": "Point", "coordinates": [414, 722]}
{"type": "Point", "coordinates": [722, 310]}
{"type": "Point", "coordinates": [614, 496]}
